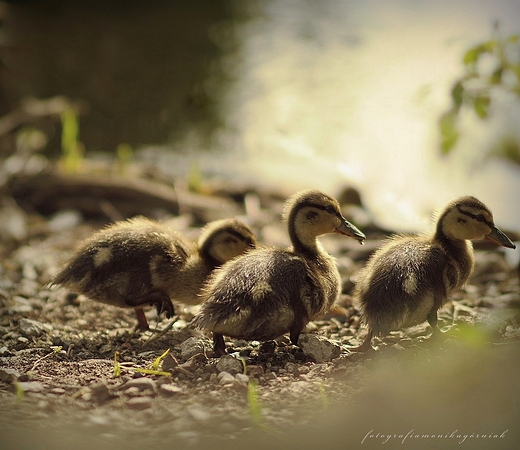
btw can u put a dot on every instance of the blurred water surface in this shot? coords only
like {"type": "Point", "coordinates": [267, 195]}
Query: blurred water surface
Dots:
{"type": "Point", "coordinates": [350, 92]}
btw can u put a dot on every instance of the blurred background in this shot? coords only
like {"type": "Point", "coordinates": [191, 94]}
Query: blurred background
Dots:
{"type": "Point", "coordinates": [411, 102]}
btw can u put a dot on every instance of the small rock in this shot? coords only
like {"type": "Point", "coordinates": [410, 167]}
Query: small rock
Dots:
{"type": "Point", "coordinates": [30, 386]}
{"type": "Point", "coordinates": [58, 391]}
{"type": "Point", "coordinates": [169, 362]}
{"type": "Point", "coordinates": [193, 346]}
{"type": "Point", "coordinates": [65, 219]}
{"type": "Point", "coordinates": [318, 348]}
{"type": "Point", "coordinates": [230, 364]}
{"type": "Point", "coordinates": [300, 386]}
{"type": "Point", "coordinates": [139, 403]}
{"type": "Point", "coordinates": [254, 371]}
{"type": "Point", "coordinates": [226, 378]}
{"type": "Point", "coordinates": [33, 328]}
{"type": "Point", "coordinates": [267, 347]}
{"type": "Point", "coordinates": [242, 379]}
{"type": "Point", "coordinates": [142, 384]}
{"type": "Point", "coordinates": [4, 351]}
{"type": "Point", "coordinates": [195, 362]}
{"type": "Point", "coordinates": [169, 390]}
{"type": "Point", "coordinates": [99, 393]}
{"type": "Point", "coordinates": [198, 413]}
{"type": "Point", "coordinates": [9, 375]}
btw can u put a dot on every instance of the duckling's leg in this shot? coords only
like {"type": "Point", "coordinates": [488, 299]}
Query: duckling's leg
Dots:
{"type": "Point", "coordinates": [432, 320]}
{"type": "Point", "coordinates": [219, 346]}
{"type": "Point", "coordinates": [142, 323]}
{"type": "Point", "coordinates": [366, 345]}
{"type": "Point", "coordinates": [161, 301]}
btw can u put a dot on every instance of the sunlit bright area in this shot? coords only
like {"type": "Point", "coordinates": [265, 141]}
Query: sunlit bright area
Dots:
{"type": "Point", "coordinates": [338, 93]}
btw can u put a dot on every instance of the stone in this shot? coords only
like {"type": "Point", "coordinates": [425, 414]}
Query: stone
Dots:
{"type": "Point", "coordinates": [230, 364]}
{"type": "Point", "coordinates": [30, 386]}
{"type": "Point", "coordinates": [318, 348]}
{"type": "Point", "coordinates": [169, 390]}
{"type": "Point", "coordinates": [99, 393]}
{"type": "Point", "coordinates": [139, 403]}
{"type": "Point", "coordinates": [142, 384]}
{"type": "Point", "coordinates": [33, 328]}
{"type": "Point", "coordinates": [226, 378]}
{"type": "Point", "coordinates": [9, 375]}
{"type": "Point", "coordinates": [243, 380]}
{"type": "Point", "coordinates": [193, 346]}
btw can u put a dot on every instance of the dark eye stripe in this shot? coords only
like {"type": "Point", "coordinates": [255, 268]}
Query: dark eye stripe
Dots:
{"type": "Point", "coordinates": [478, 217]}
{"type": "Point", "coordinates": [329, 208]}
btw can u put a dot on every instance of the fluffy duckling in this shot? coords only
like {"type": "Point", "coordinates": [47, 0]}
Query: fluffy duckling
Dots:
{"type": "Point", "coordinates": [141, 261]}
{"type": "Point", "coordinates": [409, 278]}
{"type": "Point", "coordinates": [268, 292]}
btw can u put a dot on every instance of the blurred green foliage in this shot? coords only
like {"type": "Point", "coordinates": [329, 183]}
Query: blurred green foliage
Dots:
{"type": "Point", "coordinates": [72, 149]}
{"type": "Point", "coordinates": [488, 67]}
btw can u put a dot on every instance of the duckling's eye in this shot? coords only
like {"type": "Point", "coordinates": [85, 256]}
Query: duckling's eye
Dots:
{"type": "Point", "coordinates": [480, 218]}
{"type": "Point", "coordinates": [311, 215]}
{"type": "Point", "coordinates": [330, 210]}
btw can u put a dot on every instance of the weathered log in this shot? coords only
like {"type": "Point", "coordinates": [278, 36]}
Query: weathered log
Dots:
{"type": "Point", "coordinates": [101, 196]}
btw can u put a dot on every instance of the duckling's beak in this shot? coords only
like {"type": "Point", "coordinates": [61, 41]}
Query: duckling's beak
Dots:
{"type": "Point", "coordinates": [497, 237]}
{"type": "Point", "coordinates": [347, 229]}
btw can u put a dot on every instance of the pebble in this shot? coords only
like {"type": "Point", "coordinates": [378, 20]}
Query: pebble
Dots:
{"type": "Point", "coordinates": [9, 375]}
{"type": "Point", "coordinates": [318, 348]}
{"type": "Point", "coordinates": [230, 364]}
{"type": "Point", "coordinates": [30, 386]}
{"type": "Point", "coordinates": [141, 384]}
{"type": "Point", "coordinates": [193, 346]}
{"type": "Point", "coordinates": [33, 328]}
{"type": "Point", "coordinates": [139, 403]}
{"type": "Point", "coordinates": [226, 378]}
{"type": "Point", "coordinates": [198, 413]}
{"type": "Point", "coordinates": [99, 393]}
{"type": "Point", "coordinates": [169, 390]}
{"type": "Point", "coordinates": [242, 379]}
{"type": "Point", "coordinates": [169, 363]}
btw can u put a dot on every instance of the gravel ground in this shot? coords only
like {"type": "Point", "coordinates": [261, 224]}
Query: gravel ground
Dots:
{"type": "Point", "coordinates": [59, 386]}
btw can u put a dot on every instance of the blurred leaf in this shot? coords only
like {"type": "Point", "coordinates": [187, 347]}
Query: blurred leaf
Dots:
{"type": "Point", "coordinates": [125, 155]}
{"type": "Point", "coordinates": [496, 76]}
{"type": "Point", "coordinates": [473, 54]}
{"type": "Point", "coordinates": [513, 39]}
{"type": "Point", "coordinates": [457, 94]}
{"type": "Point", "coordinates": [508, 148]}
{"type": "Point", "coordinates": [481, 104]}
{"type": "Point", "coordinates": [72, 149]}
{"type": "Point", "coordinates": [449, 132]}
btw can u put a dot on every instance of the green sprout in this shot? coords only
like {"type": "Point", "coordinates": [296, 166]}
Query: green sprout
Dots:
{"type": "Point", "coordinates": [157, 363]}
{"type": "Point", "coordinates": [324, 396]}
{"type": "Point", "coordinates": [72, 150]}
{"type": "Point", "coordinates": [20, 393]}
{"type": "Point", "coordinates": [125, 155]}
{"type": "Point", "coordinates": [117, 366]}
{"type": "Point", "coordinates": [253, 402]}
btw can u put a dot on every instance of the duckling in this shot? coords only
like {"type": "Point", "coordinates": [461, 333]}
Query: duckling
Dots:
{"type": "Point", "coordinates": [268, 292]}
{"type": "Point", "coordinates": [409, 278]}
{"type": "Point", "coordinates": [141, 261]}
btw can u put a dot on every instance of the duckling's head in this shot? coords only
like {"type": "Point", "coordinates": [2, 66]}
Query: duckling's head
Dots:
{"type": "Point", "coordinates": [223, 240]}
{"type": "Point", "coordinates": [312, 213]}
{"type": "Point", "coordinates": [469, 218]}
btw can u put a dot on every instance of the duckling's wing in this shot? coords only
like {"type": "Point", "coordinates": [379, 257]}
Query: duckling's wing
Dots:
{"type": "Point", "coordinates": [401, 284]}
{"type": "Point", "coordinates": [256, 296]}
